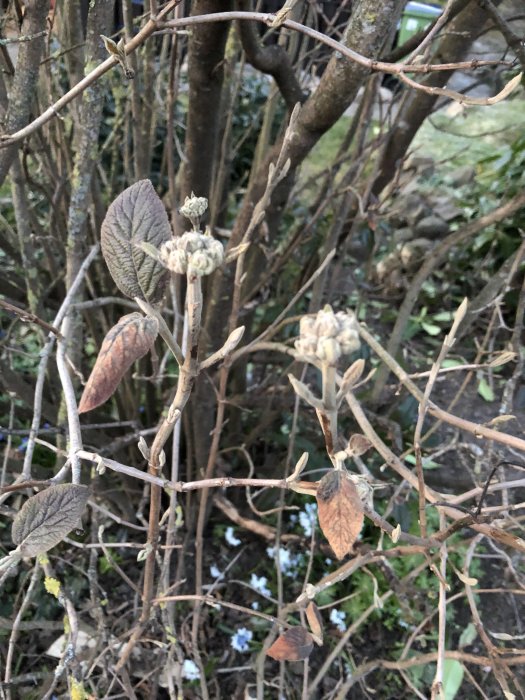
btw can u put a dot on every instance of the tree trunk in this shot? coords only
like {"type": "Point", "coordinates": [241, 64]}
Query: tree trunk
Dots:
{"type": "Point", "coordinates": [453, 47]}
{"type": "Point", "coordinates": [25, 79]}
{"type": "Point", "coordinates": [205, 78]}
{"type": "Point", "coordinates": [370, 27]}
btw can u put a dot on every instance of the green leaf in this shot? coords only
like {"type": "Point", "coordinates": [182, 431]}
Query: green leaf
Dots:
{"type": "Point", "coordinates": [453, 673]}
{"type": "Point", "coordinates": [449, 362]}
{"type": "Point", "coordinates": [468, 635]}
{"type": "Point", "coordinates": [426, 462]}
{"type": "Point", "coordinates": [431, 329]}
{"type": "Point", "coordinates": [443, 316]}
{"type": "Point", "coordinates": [485, 390]}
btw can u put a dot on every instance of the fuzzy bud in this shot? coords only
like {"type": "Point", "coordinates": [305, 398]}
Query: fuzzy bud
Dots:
{"type": "Point", "coordinates": [194, 208]}
{"type": "Point", "coordinates": [326, 336]}
{"type": "Point", "coordinates": [194, 253]}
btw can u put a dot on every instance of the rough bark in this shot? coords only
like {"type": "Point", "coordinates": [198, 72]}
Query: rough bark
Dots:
{"type": "Point", "coordinates": [272, 59]}
{"type": "Point", "coordinates": [87, 130]}
{"type": "Point", "coordinates": [205, 77]}
{"type": "Point", "coordinates": [26, 77]}
{"type": "Point", "coordinates": [26, 245]}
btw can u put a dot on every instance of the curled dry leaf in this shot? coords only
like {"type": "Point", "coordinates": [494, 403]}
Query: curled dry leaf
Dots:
{"type": "Point", "coordinates": [135, 217]}
{"type": "Point", "coordinates": [340, 511]}
{"type": "Point", "coordinates": [315, 621]}
{"type": "Point", "coordinates": [126, 342]}
{"type": "Point", "coordinates": [358, 445]}
{"type": "Point", "coordinates": [396, 532]}
{"type": "Point", "coordinates": [295, 644]}
{"type": "Point", "coordinates": [46, 518]}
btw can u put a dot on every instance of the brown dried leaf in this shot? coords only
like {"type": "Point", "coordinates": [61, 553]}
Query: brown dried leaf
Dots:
{"type": "Point", "coordinates": [295, 644]}
{"type": "Point", "coordinates": [358, 445]}
{"type": "Point", "coordinates": [135, 217]}
{"type": "Point", "coordinates": [126, 342]}
{"type": "Point", "coordinates": [46, 518]}
{"type": "Point", "coordinates": [315, 620]}
{"type": "Point", "coordinates": [506, 538]}
{"type": "Point", "coordinates": [340, 511]}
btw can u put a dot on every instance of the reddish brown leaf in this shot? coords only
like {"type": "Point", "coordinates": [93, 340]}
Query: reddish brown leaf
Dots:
{"type": "Point", "coordinates": [315, 620]}
{"type": "Point", "coordinates": [358, 445]}
{"type": "Point", "coordinates": [340, 511]}
{"type": "Point", "coordinates": [295, 644]}
{"type": "Point", "coordinates": [126, 342]}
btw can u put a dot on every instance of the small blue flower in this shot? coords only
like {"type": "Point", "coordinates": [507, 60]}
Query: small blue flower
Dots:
{"type": "Point", "coordinates": [287, 562]}
{"type": "Point", "coordinates": [22, 447]}
{"type": "Point", "coordinates": [259, 583]}
{"type": "Point", "coordinates": [190, 670]}
{"type": "Point", "coordinates": [241, 639]}
{"type": "Point", "coordinates": [215, 571]}
{"type": "Point", "coordinates": [337, 617]}
{"type": "Point", "coordinates": [307, 518]}
{"type": "Point", "coordinates": [230, 537]}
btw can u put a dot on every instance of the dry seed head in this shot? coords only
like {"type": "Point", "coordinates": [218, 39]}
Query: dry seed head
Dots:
{"type": "Point", "coordinates": [327, 335]}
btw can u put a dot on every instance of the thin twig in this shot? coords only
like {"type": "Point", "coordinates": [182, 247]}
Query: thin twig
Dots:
{"type": "Point", "coordinates": [44, 359]}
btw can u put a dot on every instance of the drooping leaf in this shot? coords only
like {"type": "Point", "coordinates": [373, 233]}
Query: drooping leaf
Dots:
{"type": "Point", "coordinates": [46, 518]}
{"type": "Point", "coordinates": [295, 644]}
{"type": "Point", "coordinates": [340, 511]}
{"type": "Point", "coordinates": [126, 342]}
{"type": "Point", "coordinates": [136, 216]}
{"type": "Point", "coordinates": [315, 621]}
{"type": "Point", "coordinates": [453, 673]}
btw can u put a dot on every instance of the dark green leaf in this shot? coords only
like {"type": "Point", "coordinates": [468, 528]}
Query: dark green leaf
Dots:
{"type": "Point", "coordinates": [136, 216]}
{"type": "Point", "coordinates": [46, 518]}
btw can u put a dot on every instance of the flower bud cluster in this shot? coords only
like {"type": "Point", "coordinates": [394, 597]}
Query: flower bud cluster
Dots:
{"type": "Point", "coordinates": [193, 253]}
{"type": "Point", "coordinates": [194, 208]}
{"type": "Point", "coordinates": [327, 336]}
